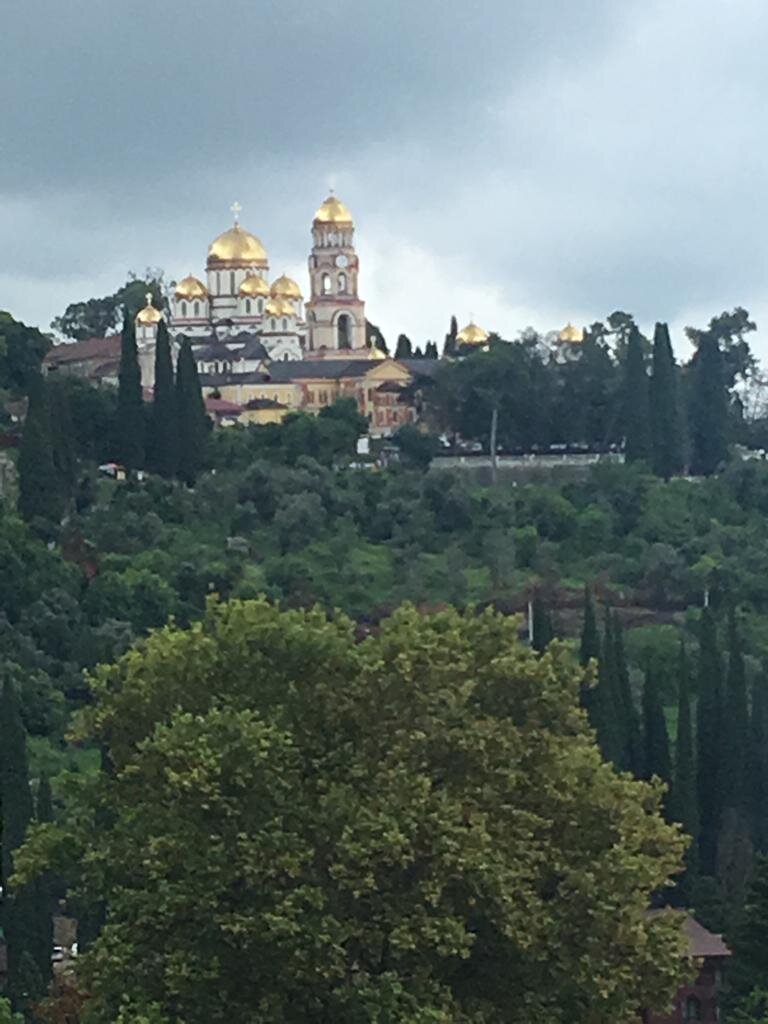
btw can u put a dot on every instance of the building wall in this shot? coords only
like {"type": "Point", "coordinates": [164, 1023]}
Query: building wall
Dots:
{"type": "Point", "coordinates": [703, 995]}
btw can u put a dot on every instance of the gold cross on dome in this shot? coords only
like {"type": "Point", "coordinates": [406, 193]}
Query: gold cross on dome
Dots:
{"type": "Point", "coordinates": [236, 208]}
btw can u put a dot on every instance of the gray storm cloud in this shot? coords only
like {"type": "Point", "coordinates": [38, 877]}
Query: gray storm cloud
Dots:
{"type": "Point", "coordinates": [524, 161]}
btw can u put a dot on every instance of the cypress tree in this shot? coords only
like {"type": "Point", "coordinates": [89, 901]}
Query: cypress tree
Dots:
{"type": "Point", "coordinates": [20, 904]}
{"type": "Point", "coordinates": [631, 758]}
{"type": "Point", "coordinates": [758, 765]}
{"type": "Point", "coordinates": [63, 436]}
{"type": "Point", "coordinates": [192, 419]}
{"type": "Point", "coordinates": [404, 348]}
{"type": "Point", "coordinates": [684, 801]}
{"type": "Point", "coordinates": [129, 423]}
{"type": "Point", "coordinates": [709, 712]}
{"type": "Point", "coordinates": [40, 493]}
{"type": "Point", "coordinates": [666, 426]}
{"type": "Point", "coordinates": [604, 706]}
{"type": "Point", "coordinates": [44, 888]}
{"type": "Point", "coordinates": [450, 345]}
{"type": "Point", "coordinates": [657, 760]}
{"type": "Point", "coordinates": [543, 630]}
{"type": "Point", "coordinates": [162, 441]}
{"type": "Point", "coordinates": [734, 785]}
{"type": "Point", "coordinates": [708, 408]}
{"type": "Point", "coordinates": [749, 943]}
{"type": "Point", "coordinates": [590, 638]}
{"type": "Point", "coordinates": [637, 422]}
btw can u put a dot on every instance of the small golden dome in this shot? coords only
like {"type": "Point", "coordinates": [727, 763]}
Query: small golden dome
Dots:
{"type": "Point", "coordinates": [254, 287]}
{"type": "Point", "coordinates": [285, 288]}
{"type": "Point", "coordinates": [571, 334]}
{"type": "Point", "coordinates": [191, 288]}
{"type": "Point", "coordinates": [333, 211]}
{"type": "Point", "coordinates": [472, 335]}
{"type": "Point", "coordinates": [237, 247]}
{"type": "Point", "coordinates": [149, 315]}
{"type": "Point", "coordinates": [279, 307]}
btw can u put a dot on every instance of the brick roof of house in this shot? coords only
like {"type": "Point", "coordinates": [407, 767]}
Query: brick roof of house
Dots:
{"type": "Point", "coordinates": [220, 406]}
{"type": "Point", "coordinates": [80, 351]}
{"type": "Point", "coordinates": [318, 369]}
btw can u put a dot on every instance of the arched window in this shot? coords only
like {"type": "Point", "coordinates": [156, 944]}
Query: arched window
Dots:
{"type": "Point", "coordinates": [285, 324]}
{"type": "Point", "coordinates": [273, 323]}
{"type": "Point", "coordinates": [197, 309]}
{"type": "Point", "coordinates": [232, 282]}
{"type": "Point", "coordinates": [342, 283]}
{"type": "Point", "coordinates": [692, 1008]}
{"type": "Point", "coordinates": [247, 305]}
{"type": "Point", "coordinates": [218, 283]}
{"type": "Point", "coordinates": [261, 305]}
{"type": "Point", "coordinates": [326, 284]}
{"type": "Point", "coordinates": [183, 309]}
{"type": "Point", "coordinates": [344, 331]}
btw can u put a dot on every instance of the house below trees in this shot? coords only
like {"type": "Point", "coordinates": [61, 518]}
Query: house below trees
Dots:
{"type": "Point", "coordinates": [699, 1000]}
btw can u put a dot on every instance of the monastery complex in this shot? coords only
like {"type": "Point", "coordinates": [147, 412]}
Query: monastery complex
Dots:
{"type": "Point", "coordinates": [264, 349]}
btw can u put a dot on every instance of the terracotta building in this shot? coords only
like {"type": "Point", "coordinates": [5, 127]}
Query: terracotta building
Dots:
{"type": "Point", "coordinates": [699, 1000]}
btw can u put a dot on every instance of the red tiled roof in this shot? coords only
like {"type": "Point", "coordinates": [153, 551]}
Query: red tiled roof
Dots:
{"type": "Point", "coordinates": [701, 942]}
{"type": "Point", "coordinates": [221, 406]}
{"type": "Point", "coordinates": [79, 351]}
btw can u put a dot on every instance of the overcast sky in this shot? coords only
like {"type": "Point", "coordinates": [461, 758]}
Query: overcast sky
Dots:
{"type": "Point", "coordinates": [524, 161]}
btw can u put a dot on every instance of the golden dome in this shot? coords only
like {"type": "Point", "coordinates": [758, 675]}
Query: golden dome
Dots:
{"type": "Point", "coordinates": [237, 247]}
{"type": "Point", "coordinates": [191, 288]}
{"type": "Point", "coordinates": [279, 307]}
{"type": "Point", "coordinates": [333, 211]}
{"type": "Point", "coordinates": [472, 335]}
{"type": "Point", "coordinates": [254, 286]}
{"type": "Point", "coordinates": [571, 333]}
{"type": "Point", "coordinates": [285, 288]}
{"type": "Point", "coordinates": [149, 315]}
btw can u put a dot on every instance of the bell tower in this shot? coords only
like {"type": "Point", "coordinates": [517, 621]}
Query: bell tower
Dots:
{"type": "Point", "coordinates": [335, 313]}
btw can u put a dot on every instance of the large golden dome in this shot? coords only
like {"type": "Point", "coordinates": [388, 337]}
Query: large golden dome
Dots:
{"type": "Point", "coordinates": [279, 307]}
{"type": "Point", "coordinates": [149, 315]}
{"type": "Point", "coordinates": [190, 287]}
{"type": "Point", "coordinates": [333, 211]}
{"type": "Point", "coordinates": [285, 288]}
{"type": "Point", "coordinates": [237, 248]}
{"type": "Point", "coordinates": [254, 287]}
{"type": "Point", "coordinates": [472, 335]}
{"type": "Point", "coordinates": [571, 334]}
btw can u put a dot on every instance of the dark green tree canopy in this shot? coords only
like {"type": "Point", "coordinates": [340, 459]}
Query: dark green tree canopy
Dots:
{"type": "Point", "coordinates": [97, 317]}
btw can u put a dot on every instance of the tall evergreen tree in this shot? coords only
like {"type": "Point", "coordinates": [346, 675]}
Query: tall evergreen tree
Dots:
{"type": "Point", "coordinates": [637, 422]}
{"type": "Point", "coordinates": [749, 940]}
{"type": "Point", "coordinates": [631, 757]}
{"type": "Point", "coordinates": [709, 717]}
{"type": "Point", "coordinates": [129, 421]}
{"type": "Point", "coordinates": [684, 798]}
{"type": "Point", "coordinates": [543, 630]}
{"type": "Point", "coordinates": [63, 436]}
{"type": "Point", "coordinates": [192, 419]}
{"type": "Point", "coordinates": [758, 765]}
{"type": "Point", "coordinates": [656, 738]}
{"type": "Point", "coordinates": [734, 786]}
{"type": "Point", "coordinates": [162, 440]}
{"type": "Point", "coordinates": [450, 345]}
{"type": "Point", "coordinates": [40, 491]}
{"type": "Point", "coordinates": [605, 706]}
{"type": "Point", "coordinates": [590, 638]}
{"type": "Point", "coordinates": [708, 408]}
{"type": "Point", "coordinates": [20, 904]}
{"type": "Point", "coordinates": [404, 348]}
{"type": "Point", "coordinates": [666, 422]}
{"type": "Point", "coordinates": [44, 889]}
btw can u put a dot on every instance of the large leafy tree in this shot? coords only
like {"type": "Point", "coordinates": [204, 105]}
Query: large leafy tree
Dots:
{"type": "Point", "coordinates": [22, 350]}
{"type": "Point", "coordinates": [415, 827]}
{"type": "Point", "coordinates": [96, 317]}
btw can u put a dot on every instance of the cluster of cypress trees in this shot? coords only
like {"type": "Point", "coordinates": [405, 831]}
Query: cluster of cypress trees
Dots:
{"type": "Point", "coordinates": [718, 777]}
{"type": "Point", "coordinates": [47, 463]}
{"type": "Point", "coordinates": [173, 441]}
{"type": "Point", "coordinates": [27, 909]}
{"type": "Point", "coordinates": [655, 407]}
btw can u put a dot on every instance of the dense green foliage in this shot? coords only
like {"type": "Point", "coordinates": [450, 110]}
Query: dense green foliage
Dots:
{"type": "Point", "coordinates": [129, 434]}
{"type": "Point", "coordinates": [163, 434]}
{"type": "Point", "coordinates": [344, 824]}
{"type": "Point", "coordinates": [96, 317]}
